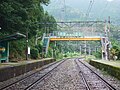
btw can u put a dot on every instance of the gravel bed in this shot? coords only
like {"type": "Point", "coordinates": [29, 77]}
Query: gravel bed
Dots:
{"type": "Point", "coordinates": [94, 82]}
{"type": "Point", "coordinates": [23, 84]}
{"type": "Point", "coordinates": [113, 81]}
{"type": "Point", "coordinates": [64, 77]}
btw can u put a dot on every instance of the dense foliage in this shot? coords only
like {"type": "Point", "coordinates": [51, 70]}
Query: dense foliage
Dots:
{"type": "Point", "coordinates": [24, 16]}
{"type": "Point", "coordinates": [34, 53]}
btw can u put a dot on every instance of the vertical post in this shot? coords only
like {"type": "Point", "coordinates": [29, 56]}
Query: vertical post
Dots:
{"type": "Point", "coordinates": [80, 50]}
{"type": "Point", "coordinates": [7, 51]}
{"type": "Point", "coordinates": [52, 53]}
{"type": "Point", "coordinates": [85, 49]}
{"type": "Point", "coordinates": [36, 39]}
{"type": "Point", "coordinates": [36, 36]}
{"type": "Point", "coordinates": [27, 45]}
{"type": "Point", "coordinates": [55, 49]}
{"type": "Point", "coordinates": [96, 49]}
{"type": "Point", "coordinates": [89, 50]}
{"type": "Point", "coordinates": [106, 39]}
{"type": "Point", "coordinates": [108, 46]}
{"type": "Point", "coordinates": [46, 29]}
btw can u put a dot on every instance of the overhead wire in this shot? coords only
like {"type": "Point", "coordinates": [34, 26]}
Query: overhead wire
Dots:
{"type": "Point", "coordinates": [64, 7]}
{"type": "Point", "coordinates": [89, 9]}
{"type": "Point", "coordinates": [102, 13]}
{"type": "Point", "coordinates": [107, 6]}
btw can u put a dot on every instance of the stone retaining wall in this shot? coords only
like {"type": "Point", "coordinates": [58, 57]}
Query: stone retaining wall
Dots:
{"type": "Point", "coordinates": [112, 70]}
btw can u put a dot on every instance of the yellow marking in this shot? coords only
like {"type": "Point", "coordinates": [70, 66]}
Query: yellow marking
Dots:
{"type": "Point", "coordinates": [75, 39]}
{"type": "Point", "coordinates": [2, 49]}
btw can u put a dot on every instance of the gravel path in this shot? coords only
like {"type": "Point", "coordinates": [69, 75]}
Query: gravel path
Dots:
{"type": "Point", "coordinates": [26, 79]}
{"type": "Point", "coordinates": [93, 81]}
{"type": "Point", "coordinates": [65, 77]}
{"type": "Point", "coordinates": [113, 81]}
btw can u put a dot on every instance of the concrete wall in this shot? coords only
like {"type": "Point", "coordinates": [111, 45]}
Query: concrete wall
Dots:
{"type": "Point", "coordinates": [13, 71]}
{"type": "Point", "coordinates": [112, 70]}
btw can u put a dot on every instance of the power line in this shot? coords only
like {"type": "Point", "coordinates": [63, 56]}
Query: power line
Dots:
{"type": "Point", "coordinates": [104, 10]}
{"type": "Point", "coordinates": [89, 8]}
{"type": "Point", "coordinates": [102, 13]}
{"type": "Point", "coordinates": [63, 10]}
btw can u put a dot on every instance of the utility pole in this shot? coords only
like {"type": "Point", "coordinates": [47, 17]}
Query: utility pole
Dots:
{"type": "Point", "coordinates": [85, 49]}
{"type": "Point", "coordinates": [52, 53]}
{"type": "Point", "coordinates": [80, 50]}
{"type": "Point", "coordinates": [96, 49]}
{"type": "Point", "coordinates": [89, 50]}
{"type": "Point", "coordinates": [27, 45]}
{"type": "Point", "coordinates": [63, 11]}
{"type": "Point", "coordinates": [55, 49]}
{"type": "Point", "coordinates": [108, 46]}
{"type": "Point", "coordinates": [106, 42]}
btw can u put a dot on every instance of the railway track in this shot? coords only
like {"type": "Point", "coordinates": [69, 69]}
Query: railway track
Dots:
{"type": "Point", "coordinates": [27, 82]}
{"type": "Point", "coordinates": [83, 77]}
{"type": "Point", "coordinates": [89, 79]}
{"type": "Point", "coordinates": [89, 76]}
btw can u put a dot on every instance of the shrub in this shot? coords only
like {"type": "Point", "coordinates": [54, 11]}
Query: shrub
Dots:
{"type": "Point", "coordinates": [59, 56]}
{"type": "Point", "coordinates": [49, 54]}
{"type": "Point", "coordinates": [65, 55]}
{"type": "Point", "coordinates": [34, 53]}
{"type": "Point", "coordinates": [39, 47]}
{"type": "Point", "coordinates": [97, 54]}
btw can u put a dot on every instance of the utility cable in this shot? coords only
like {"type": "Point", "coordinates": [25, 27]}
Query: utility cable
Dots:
{"type": "Point", "coordinates": [102, 13]}
{"type": "Point", "coordinates": [89, 8]}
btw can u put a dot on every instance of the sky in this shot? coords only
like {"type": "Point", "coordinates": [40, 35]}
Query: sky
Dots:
{"type": "Point", "coordinates": [99, 8]}
{"type": "Point", "coordinates": [110, 0]}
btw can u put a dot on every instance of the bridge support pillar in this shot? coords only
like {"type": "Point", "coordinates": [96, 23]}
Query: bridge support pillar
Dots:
{"type": "Point", "coordinates": [105, 49]}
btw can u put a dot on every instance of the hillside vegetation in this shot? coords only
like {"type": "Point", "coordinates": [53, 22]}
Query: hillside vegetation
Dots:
{"type": "Point", "coordinates": [24, 16]}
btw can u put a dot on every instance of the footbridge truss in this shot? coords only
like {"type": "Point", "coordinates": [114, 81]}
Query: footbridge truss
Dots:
{"type": "Point", "coordinates": [80, 31]}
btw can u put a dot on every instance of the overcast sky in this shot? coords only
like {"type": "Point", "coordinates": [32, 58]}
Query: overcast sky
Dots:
{"type": "Point", "coordinates": [99, 7]}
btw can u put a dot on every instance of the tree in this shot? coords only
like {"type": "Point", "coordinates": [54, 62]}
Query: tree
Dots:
{"type": "Point", "coordinates": [23, 16]}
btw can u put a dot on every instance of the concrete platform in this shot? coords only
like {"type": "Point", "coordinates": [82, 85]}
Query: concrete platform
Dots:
{"type": "Point", "coordinates": [12, 64]}
{"type": "Point", "coordinates": [111, 67]}
{"type": "Point", "coordinates": [111, 63]}
{"type": "Point", "coordinates": [10, 70]}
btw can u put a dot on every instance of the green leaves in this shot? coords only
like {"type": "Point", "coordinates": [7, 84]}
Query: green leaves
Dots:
{"type": "Point", "coordinates": [22, 16]}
